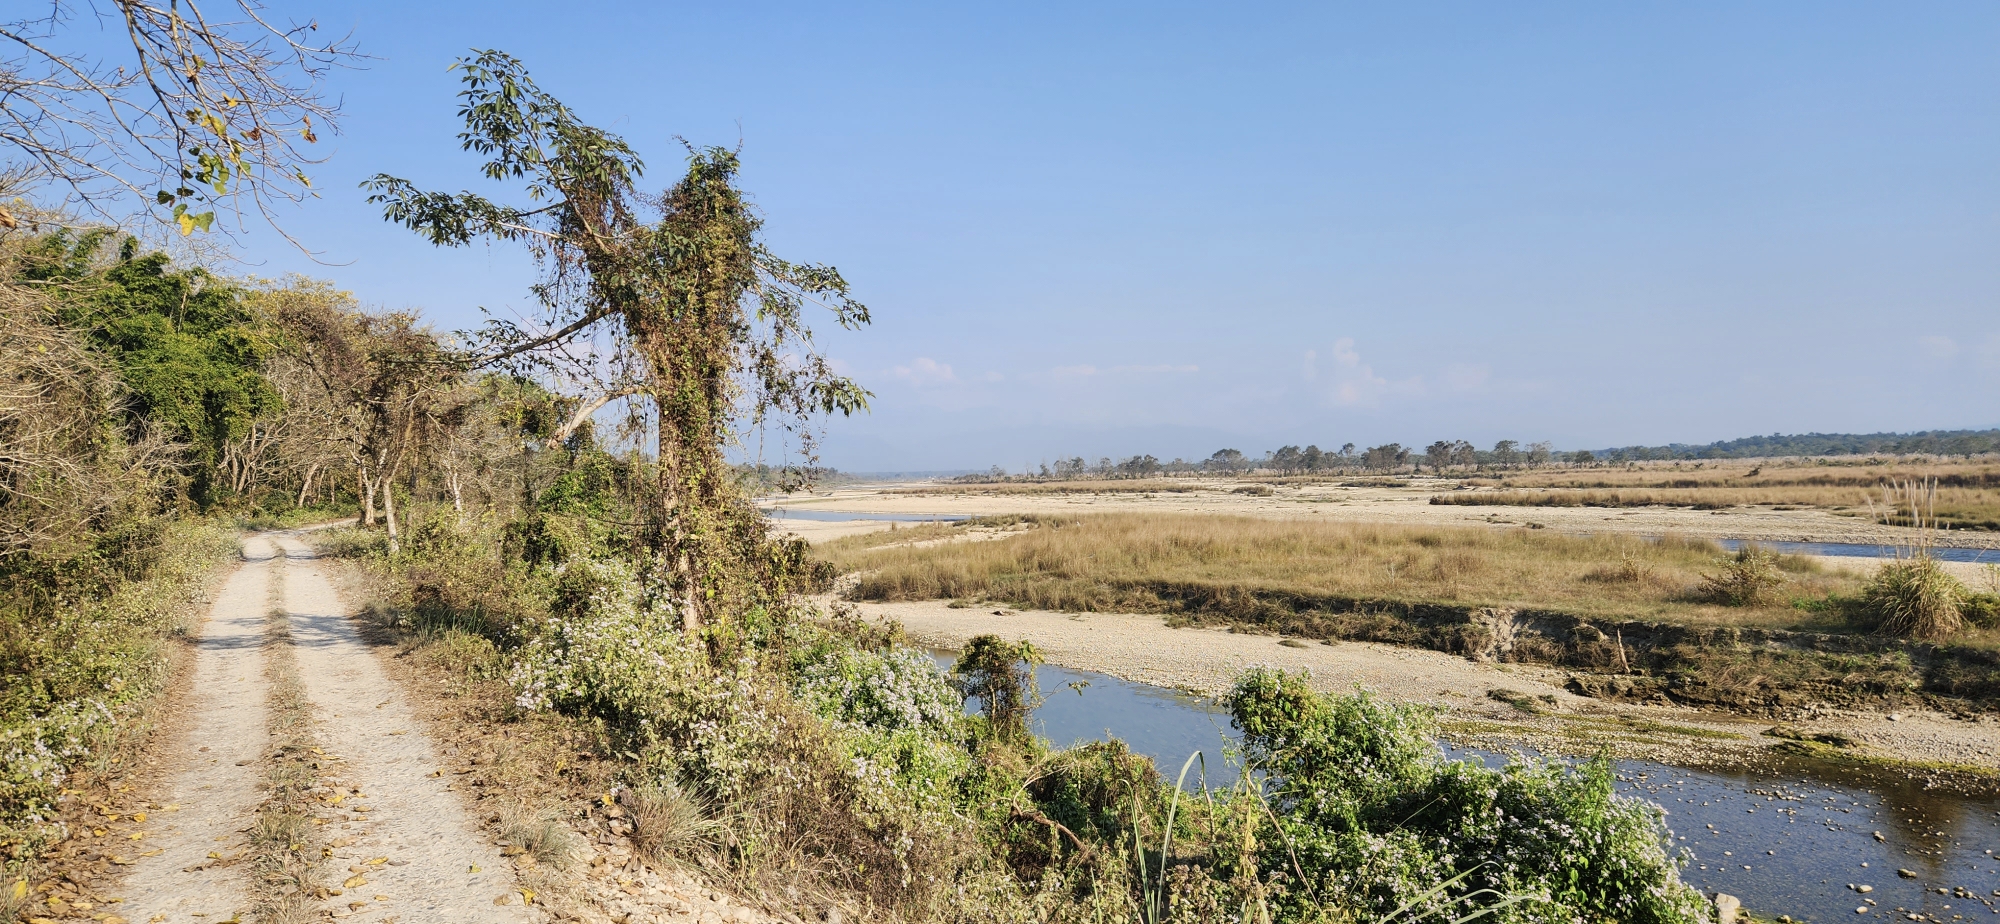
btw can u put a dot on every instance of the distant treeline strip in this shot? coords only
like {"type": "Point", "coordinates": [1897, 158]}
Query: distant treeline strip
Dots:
{"type": "Point", "coordinates": [1777, 445]}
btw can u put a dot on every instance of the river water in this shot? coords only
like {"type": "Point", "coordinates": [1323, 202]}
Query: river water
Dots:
{"type": "Point", "coordinates": [1864, 550]}
{"type": "Point", "coordinates": [839, 516]}
{"type": "Point", "coordinates": [1790, 842]}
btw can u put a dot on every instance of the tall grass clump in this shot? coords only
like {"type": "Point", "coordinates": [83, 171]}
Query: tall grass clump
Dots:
{"type": "Point", "coordinates": [1748, 578]}
{"type": "Point", "coordinates": [1914, 597]}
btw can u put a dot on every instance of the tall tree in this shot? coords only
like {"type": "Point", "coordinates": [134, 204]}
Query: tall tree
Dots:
{"type": "Point", "coordinates": [1287, 459]}
{"type": "Point", "coordinates": [1439, 455]}
{"type": "Point", "coordinates": [700, 316]}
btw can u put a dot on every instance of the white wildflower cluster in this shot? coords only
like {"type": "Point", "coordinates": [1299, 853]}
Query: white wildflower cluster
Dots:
{"type": "Point", "coordinates": [35, 756]}
{"type": "Point", "coordinates": [622, 657]}
{"type": "Point", "coordinates": [900, 722]}
{"type": "Point", "coordinates": [884, 692]}
{"type": "Point", "coordinates": [604, 658]}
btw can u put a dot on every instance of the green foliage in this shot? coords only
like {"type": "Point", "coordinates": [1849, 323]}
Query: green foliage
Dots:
{"type": "Point", "coordinates": [1368, 814]}
{"type": "Point", "coordinates": [183, 342]}
{"type": "Point", "coordinates": [1002, 676]}
{"type": "Point", "coordinates": [1927, 442]}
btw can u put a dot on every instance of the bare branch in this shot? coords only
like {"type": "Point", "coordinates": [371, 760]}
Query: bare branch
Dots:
{"type": "Point", "coordinates": [205, 111]}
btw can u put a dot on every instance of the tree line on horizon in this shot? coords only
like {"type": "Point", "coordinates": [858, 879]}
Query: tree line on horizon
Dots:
{"type": "Point", "coordinates": [1460, 455]}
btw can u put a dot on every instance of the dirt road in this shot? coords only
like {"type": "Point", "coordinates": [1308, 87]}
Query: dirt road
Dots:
{"type": "Point", "coordinates": [402, 847]}
{"type": "Point", "coordinates": [398, 806]}
{"type": "Point", "coordinates": [192, 863]}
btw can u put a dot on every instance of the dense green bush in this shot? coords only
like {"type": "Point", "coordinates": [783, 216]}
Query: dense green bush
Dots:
{"type": "Point", "coordinates": [184, 343]}
{"type": "Point", "coordinates": [1369, 814]}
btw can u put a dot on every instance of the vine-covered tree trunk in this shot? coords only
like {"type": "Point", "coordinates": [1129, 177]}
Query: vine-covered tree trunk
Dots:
{"type": "Point", "coordinates": [712, 324]}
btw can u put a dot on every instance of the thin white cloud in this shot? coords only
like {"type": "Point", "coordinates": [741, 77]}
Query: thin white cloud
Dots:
{"type": "Point", "coordinates": [925, 371]}
{"type": "Point", "coordinates": [1938, 347]}
{"type": "Point", "coordinates": [1068, 372]}
{"type": "Point", "coordinates": [1355, 383]}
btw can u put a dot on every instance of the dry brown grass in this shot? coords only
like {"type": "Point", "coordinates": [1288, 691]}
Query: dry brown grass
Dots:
{"type": "Point", "coordinates": [1183, 563]}
{"type": "Point", "coordinates": [1968, 495]}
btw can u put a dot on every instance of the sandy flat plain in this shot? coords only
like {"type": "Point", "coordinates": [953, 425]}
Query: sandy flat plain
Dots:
{"type": "Point", "coordinates": [1333, 503]}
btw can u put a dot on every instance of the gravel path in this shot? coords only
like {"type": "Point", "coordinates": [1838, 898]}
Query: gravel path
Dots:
{"type": "Point", "coordinates": [429, 861]}
{"type": "Point", "coordinates": [189, 864]}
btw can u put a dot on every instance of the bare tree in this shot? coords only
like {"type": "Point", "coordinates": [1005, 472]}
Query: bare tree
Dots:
{"type": "Point", "coordinates": [213, 105]}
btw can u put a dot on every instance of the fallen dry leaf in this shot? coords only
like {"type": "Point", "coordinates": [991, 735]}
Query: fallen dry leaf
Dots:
{"type": "Point", "coordinates": [355, 881]}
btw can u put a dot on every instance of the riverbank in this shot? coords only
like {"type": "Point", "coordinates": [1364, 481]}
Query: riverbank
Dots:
{"type": "Point", "coordinates": [1484, 704]}
{"type": "Point", "coordinates": [1402, 501]}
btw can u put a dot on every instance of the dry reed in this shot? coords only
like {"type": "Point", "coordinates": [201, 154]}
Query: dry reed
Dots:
{"type": "Point", "coordinates": [1914, 597]}
{"type": "Point", "coordinates": [1177, 563]}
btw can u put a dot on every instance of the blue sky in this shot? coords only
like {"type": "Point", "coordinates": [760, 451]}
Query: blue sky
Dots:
{"type": "Point", "coordinates": [1108, 229]}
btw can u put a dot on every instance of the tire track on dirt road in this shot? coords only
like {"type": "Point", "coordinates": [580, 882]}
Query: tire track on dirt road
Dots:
{"type": "Point", "coordinates": [404, 847]}
{"type": "Point", "coordinates": [188, 866]}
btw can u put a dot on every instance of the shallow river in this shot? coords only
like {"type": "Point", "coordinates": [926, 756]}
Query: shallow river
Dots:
{"type": "Point", "coordinates": [1785, 844]}
{"type": "Point", "coordinates": [839, 516]}
{"type": "Point", "coordinates": [1866, 550]}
